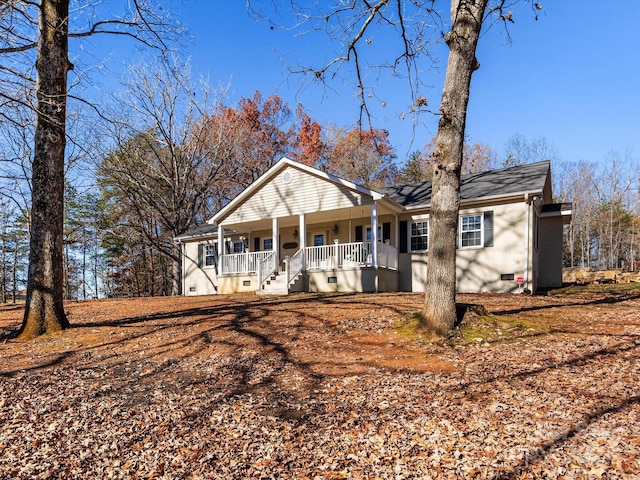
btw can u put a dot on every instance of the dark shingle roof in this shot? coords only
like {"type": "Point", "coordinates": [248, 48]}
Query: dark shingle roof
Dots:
{"type": "Point", "coordinates": [507, 181]}
{"type": "Point", "coordinates": [203, 230]}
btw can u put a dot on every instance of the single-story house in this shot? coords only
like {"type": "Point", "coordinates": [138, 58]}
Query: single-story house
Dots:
{"type": "Point", "coordinates": [299, 229]}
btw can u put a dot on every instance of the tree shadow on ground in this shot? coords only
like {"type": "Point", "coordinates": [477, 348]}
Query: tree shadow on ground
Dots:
{"type": "Point", "coordinates": [263, 334]}
{"type": "Point", "coordinates": [241, 330]}
{"type": "Point", "coordinates": [539, 454]}
{"type": "Point", "coordinates": [608, 300]}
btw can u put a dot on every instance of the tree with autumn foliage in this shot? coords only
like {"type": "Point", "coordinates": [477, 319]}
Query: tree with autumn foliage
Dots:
{"type": "Point", "coordinates": [309, 147]}
{"type": "Point", "coordinates": [365, 157]}
{"type": "Point", "coordinates": [261, 133]}
{"type": "Point", "coordinates": [263, 130]}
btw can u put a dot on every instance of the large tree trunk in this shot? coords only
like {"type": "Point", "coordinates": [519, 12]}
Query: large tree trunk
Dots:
{"type": "Point", "coordinates": [440, 302]}
{"type": "Point", "coordinates": [44, 310]}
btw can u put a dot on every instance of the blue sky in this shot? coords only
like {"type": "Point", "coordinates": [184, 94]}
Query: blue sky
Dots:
{"type": "Point", "coordinates": [572, 76]}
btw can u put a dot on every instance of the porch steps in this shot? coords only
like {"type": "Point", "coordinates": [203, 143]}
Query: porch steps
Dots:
{"type": "Point", "coordinates": [275, 285]}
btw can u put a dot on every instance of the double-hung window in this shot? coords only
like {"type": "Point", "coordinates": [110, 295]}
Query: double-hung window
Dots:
{"type": "Point", "coordinates": [210, 255]}
{"type": "Point", "coordinates": [420, 236]}
{"type": "Point", "coordinates": [471, 230]}
{"type": "Point", "coordinates": [238, 246]}
{"type": "Point", "coordinates": [267, 244]}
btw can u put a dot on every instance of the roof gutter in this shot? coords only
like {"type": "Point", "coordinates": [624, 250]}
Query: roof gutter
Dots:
{"type": "Point", "coordinates": [482, 200]}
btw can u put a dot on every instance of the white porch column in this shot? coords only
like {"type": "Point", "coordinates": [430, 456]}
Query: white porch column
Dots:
{"type": "Point", "coordinates": [302, 229]}
{"type": "Point", "coordinates": [275, 232]}
{"type": "Point", "coordinates": [374, 235]}
{"type": "Point", "coordinates": [220, 248]}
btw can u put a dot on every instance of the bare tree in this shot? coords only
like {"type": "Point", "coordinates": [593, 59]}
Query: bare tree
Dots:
{"type": "Point", "coordinates": [519, 150]}
{"type": "Point", "coordinates": [476, 157]}
{"type": "Point", "coordinates": [43, 27]}
{"type": "Point", "coordinates": [169, 157]}
{"type": "Point", "coordinates": [614, 191]}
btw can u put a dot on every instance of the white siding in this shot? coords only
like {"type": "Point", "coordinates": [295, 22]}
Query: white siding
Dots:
{"type": "Point", "coordinates": [479, 269]}
{"type": "Point", "coordinates": [197, 281]}
{"type": "Point", "coordinates": [304, 194]}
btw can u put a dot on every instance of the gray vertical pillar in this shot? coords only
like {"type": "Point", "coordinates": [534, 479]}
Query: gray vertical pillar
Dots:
{"type": "Point", "coordinates": [275, 229]}
{"type": "Point", "coordinates": [374, 235]}
{"type": "Point", "coordinates": [221, 249]}
{"type": "Point", "coordinates": [303, 240]}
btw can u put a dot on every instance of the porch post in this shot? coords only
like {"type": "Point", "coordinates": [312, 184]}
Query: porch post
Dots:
{"type": "Point", "coordinates": [374, 235]}
{"type": "Point", "coordinates": [276, 241]}
{"type": "Point", "coordinates": [220, 248]}
{"type": "Point", "coordinates": [302, 228]}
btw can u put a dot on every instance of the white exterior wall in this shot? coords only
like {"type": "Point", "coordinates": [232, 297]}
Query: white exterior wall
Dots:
{"type": "Point", "coordinates": [479, 269]}
{"type": "Point", "coordinates": [196, 280]}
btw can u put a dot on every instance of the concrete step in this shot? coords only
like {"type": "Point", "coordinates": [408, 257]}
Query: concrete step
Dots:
{"type": "Point", "coordinates": [275, 285]}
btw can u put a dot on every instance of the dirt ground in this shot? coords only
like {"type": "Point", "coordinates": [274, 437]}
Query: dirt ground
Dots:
{"type": "Point", "coordinates": [325, 386]}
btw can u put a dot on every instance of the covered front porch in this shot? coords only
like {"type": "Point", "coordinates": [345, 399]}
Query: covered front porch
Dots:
{"type": "Point", "coordinates": [306, 230]}
{"type": "Point", "coordinates": [354, 252]}
{"type": "Point", "coordinates": [347, 266]}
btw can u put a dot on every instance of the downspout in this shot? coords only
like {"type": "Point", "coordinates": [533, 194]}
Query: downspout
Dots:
{"type": "Point", "coordinates": [183, 268]}
{"type": "Point", "coordinates": [221, 249]}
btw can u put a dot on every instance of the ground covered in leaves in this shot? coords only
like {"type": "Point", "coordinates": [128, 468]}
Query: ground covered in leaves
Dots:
{"type": "Point", "coordinates": [325, 387]}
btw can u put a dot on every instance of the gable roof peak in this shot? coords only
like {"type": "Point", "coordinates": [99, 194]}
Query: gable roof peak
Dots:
{"type": "Point", "coordinates": [278, 167]}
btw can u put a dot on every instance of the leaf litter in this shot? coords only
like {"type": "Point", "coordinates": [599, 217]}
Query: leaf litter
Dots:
{"type": "Point", "coordinates": [324, 387]}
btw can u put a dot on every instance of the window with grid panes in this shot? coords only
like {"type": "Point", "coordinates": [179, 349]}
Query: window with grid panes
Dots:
{"type": "Point", "coordinates": [210, 255]}
{"type": "Point", "coordinates": [471, 230]}
{"type": "Point", "coordinates": [419, 236]}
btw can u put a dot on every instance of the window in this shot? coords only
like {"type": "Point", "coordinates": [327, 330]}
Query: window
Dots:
{"type": "Point", "coordinates": [238, 247]}
{"type": "Point", "coordinates": [318, 240]}
{"type": "Point", "coordinates": [369, 237]}
{"type": "Point", "coordinates": [471, 230]}
{"type": "Point", "coordinates": [210, 255]}
{"type": "Point", "coordinates": [419, 236]}
{"type": "Point", "coordinates": [267, 244]}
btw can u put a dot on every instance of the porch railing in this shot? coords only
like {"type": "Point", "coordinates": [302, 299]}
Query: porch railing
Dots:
{"type": "Point", "coordinates": [338, 255]}
{"type": "Point", "coordinates": [357, 254]}
{"type": "Point", "coordinates": [243, 262]}
{"type": "Point", "coordinates": [295, 266]}
{"type": "Point", "coordinates": [266, 267]}
{"type": "Point", "coordinates": [387, 256]}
